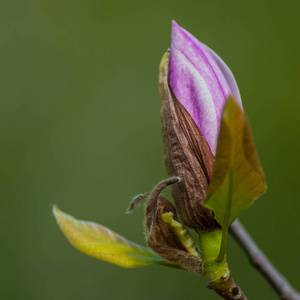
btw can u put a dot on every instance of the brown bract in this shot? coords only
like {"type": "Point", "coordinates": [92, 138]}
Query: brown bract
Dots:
{"type": "Point", "coordinates": [187, 154]}
{"type": "Point", "coordinates": [162, 239]}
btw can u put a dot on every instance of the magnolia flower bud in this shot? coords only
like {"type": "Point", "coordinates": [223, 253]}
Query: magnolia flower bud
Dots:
{"type": "Point", "coordinates": [194, 86]}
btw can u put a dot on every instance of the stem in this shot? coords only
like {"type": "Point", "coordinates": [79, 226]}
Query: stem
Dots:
{"type": "Point", "coordinates": [217, 272]}
{"type": "Point", "coordinates": [209, 243]}
{"type": "Point", "coordinates": [262, 264]}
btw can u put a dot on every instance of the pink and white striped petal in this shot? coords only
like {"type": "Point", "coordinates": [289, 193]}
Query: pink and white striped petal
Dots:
{"type": "Point", "coordinates": [201, 81]}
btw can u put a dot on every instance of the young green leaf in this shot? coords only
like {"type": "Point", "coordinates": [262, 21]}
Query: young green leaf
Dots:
{"type": "Point", "coordinates": [100, 242]}
{"type": "Point", "coordinates": [182, 233]}
{"type": "Point", "coordinates": [237, 178]}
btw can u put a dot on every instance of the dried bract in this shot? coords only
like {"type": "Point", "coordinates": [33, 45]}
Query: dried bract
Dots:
{"type": "Point", "coordinates": [187, 154]}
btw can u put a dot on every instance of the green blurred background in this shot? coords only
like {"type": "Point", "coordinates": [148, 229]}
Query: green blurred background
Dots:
{"type": "Point", "coordinates": [80, 128]}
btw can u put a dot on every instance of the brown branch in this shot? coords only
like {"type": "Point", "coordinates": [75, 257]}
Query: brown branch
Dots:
{"type": "Point", "coordinates": [226, 288]}
{"type": "Point", "coordinates": [262, 264]}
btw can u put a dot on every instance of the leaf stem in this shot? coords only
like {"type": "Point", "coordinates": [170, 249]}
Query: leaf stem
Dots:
{"type": "Point", "coordinates": [226, 219]}
{"type": "Point", "coordinates": [223, 244]}
{"type": "Point", "coordinates": [281, 286]}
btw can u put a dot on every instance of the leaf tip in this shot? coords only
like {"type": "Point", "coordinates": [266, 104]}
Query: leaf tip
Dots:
{"type": "Point", "coordinates": [55, 211]}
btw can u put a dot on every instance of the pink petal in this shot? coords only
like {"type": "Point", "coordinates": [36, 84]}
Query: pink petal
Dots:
{"type": "Point", "coordinates": [201, 81]}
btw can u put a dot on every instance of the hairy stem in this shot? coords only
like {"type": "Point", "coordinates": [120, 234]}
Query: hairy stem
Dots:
{"type": "Point", "coordinates": [262, 264]}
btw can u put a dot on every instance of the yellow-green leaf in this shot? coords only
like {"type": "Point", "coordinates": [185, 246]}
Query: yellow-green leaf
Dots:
{"type": "Point", "coordinates": [100, 242]}
{"type": "Point", "coordinates": [237, 178]}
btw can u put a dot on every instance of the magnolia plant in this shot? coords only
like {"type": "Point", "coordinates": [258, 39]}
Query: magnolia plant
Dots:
{"type": "Point", "coordinates": [214, 176]}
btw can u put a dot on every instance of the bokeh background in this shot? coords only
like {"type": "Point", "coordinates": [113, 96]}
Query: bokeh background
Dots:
{"type": "Point", "coordinates": [80, 128]}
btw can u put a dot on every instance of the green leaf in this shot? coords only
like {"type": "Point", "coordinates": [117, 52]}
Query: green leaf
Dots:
{"type": "Point", "coordinates": [237, 178]}
{"type": "Point", "coordinates": [100, 242]}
